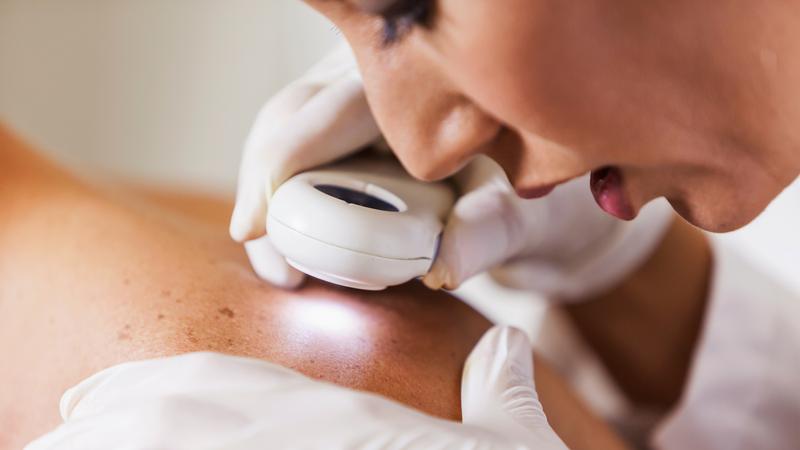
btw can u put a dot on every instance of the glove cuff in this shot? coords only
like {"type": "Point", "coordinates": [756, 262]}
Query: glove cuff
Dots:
{"type": "Point", "coordinates": [596, 269]}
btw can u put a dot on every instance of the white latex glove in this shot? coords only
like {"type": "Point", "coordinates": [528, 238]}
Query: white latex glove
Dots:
{"type": "Point", "coordinates": [213, 401]}
{"type": "Point", "coordinates": [561, 245]}
{"type": "Point", "coordinates": [315, 120]}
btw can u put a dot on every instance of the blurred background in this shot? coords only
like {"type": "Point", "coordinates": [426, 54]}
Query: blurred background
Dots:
{"type": "Point", "coordinates": [161, 91]}
{"type": "Point", "coordinates": [164, 92]}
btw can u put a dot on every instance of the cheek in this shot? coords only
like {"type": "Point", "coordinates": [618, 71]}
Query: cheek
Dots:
{"type": "Point", "coordinates": [548, 70]}
{"type": "Point", "coordinates": [502, 65]}
{"type": "Point", "coordinates": [483, 48]}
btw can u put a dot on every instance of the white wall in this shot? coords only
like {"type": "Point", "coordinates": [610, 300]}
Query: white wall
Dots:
{"type": "Point", "coordinates": [162, 90]}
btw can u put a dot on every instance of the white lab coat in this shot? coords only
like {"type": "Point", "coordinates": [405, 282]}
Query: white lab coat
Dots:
{"type": "Point", "coordinates": [743, 390]}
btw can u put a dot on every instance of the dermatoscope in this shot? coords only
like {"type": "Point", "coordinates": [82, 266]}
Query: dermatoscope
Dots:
{"type": "Point", "coordinates": [363, 223]}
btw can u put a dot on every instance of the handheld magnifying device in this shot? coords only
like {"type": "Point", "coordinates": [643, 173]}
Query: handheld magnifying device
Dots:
{"type": "Point", "coordinates": [363, 223]}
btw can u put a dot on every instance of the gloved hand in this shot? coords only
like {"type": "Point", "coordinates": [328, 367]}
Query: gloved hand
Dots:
{"type": "Point", "coordinates": [561, 245]}
{"type": "Point", "coordinates": [206, 400]}
{"type": "Point", "coordinates": [316, 119]}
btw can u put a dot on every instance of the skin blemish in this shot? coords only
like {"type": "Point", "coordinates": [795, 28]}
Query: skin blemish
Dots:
{"type": "Point", "coordinates": [126, 281]}
{"type": "Point", "coordinates": [123, 336]}
{"type": "Point", "coordinates": [227, 312]}
{"type": "Point", "coordinates": [190, 336]}
{"type": "Point", "coordinates": [160, 316]}
{"type": "Point", "coordinates": [166, 293]}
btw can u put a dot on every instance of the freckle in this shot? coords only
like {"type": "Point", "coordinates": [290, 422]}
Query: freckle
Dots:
{"type": "Point", "coordinates": [160, 316]}
{"type": "Point", "coordinates": [127, 326]}
{"type": "Point", "coordinates": [227, 312]}
{"type": "Point", "coordinates": [122, 336]}
{"type": "Point", "coordinates": [126, 281]}
{"type": "Point", "coordinates": [230, 342]}
{"type": "Point", "coordinates": [394, 341]}
{"type": "Point", "coordinates": [190, 336]}
{"type": "Point", "coordinates": [177, 300]}
{"type": "Point", "coordinates": [166, 293]}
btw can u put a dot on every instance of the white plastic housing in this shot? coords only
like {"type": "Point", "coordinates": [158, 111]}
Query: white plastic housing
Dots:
{"type": "Point", "coordinates": [353, 245]}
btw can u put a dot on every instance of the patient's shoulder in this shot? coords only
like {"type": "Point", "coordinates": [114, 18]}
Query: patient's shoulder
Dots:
{"type": "Point", "coordinates": [406, 343]}
{"type": "Point", "coordinates": [94, 282]}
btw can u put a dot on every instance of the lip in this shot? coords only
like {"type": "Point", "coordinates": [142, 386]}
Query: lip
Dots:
{"type": "Point", "coordinates": [608, 188]}
{"type": "Point", "coordinates": [534, 192]}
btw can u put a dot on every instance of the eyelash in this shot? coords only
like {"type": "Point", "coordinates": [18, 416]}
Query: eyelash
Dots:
{"type": "Point", "coordinates": [400, 18]}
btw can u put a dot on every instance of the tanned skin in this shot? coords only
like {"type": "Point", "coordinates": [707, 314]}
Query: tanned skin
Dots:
{"type": "Point", "coordinates": [92, 276]}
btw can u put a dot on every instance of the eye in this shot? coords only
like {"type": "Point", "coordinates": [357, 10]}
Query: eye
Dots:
{"type": "Point", "coordinates": [403, 15]}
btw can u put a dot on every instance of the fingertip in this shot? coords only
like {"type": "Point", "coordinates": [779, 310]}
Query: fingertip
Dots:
{"type": "Point", "coordinates": [508, 341]}
{"type": "Point", "coordinates": [248, 222]}
{"type": "Point", "coordinates": [293, 279]}
{"type": "Point", "coordinates": [245, 232]}
{"type": "Point", "coordinates": [287, 278]}
{"type": "Point", "coordinates": [271, 266]}
{"type": "Point", "coordinates": [440, 276]}
{"type": "Point", "coordinates": [433, 281]}
{"type": "Point", "coordinates": [503, 346]}
{"type": "Point", "coordinates": [236, 232]}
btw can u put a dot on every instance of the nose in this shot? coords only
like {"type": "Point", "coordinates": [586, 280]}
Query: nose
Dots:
{"type": "Point", "coordinates": [448, 143]}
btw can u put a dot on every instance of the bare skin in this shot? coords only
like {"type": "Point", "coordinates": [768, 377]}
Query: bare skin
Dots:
{"type": "Point", "coordinates": [90, 278]}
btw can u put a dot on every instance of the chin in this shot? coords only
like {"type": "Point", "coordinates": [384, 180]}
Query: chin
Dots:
{"type": "Point", "coordinates": [720, 217]}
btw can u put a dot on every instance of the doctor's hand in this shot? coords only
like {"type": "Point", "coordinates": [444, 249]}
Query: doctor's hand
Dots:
{"type": "Point", "coordinates": [317, 119]}
{"type": "Point", "coordinates": [207, 400]}
{"type": "Point", "coordinates": [561, 245]}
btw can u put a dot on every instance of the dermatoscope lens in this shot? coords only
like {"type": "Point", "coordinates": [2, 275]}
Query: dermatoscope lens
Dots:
{"type": "Point", "coordinates": [356, 197]}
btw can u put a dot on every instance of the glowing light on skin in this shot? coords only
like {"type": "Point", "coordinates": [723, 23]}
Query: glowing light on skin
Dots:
{"type": "Point", "coordinates": [326, 317]}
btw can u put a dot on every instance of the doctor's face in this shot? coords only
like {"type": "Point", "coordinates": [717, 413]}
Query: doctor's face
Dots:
{"type": "Point", "coordinates": [693, 101]}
